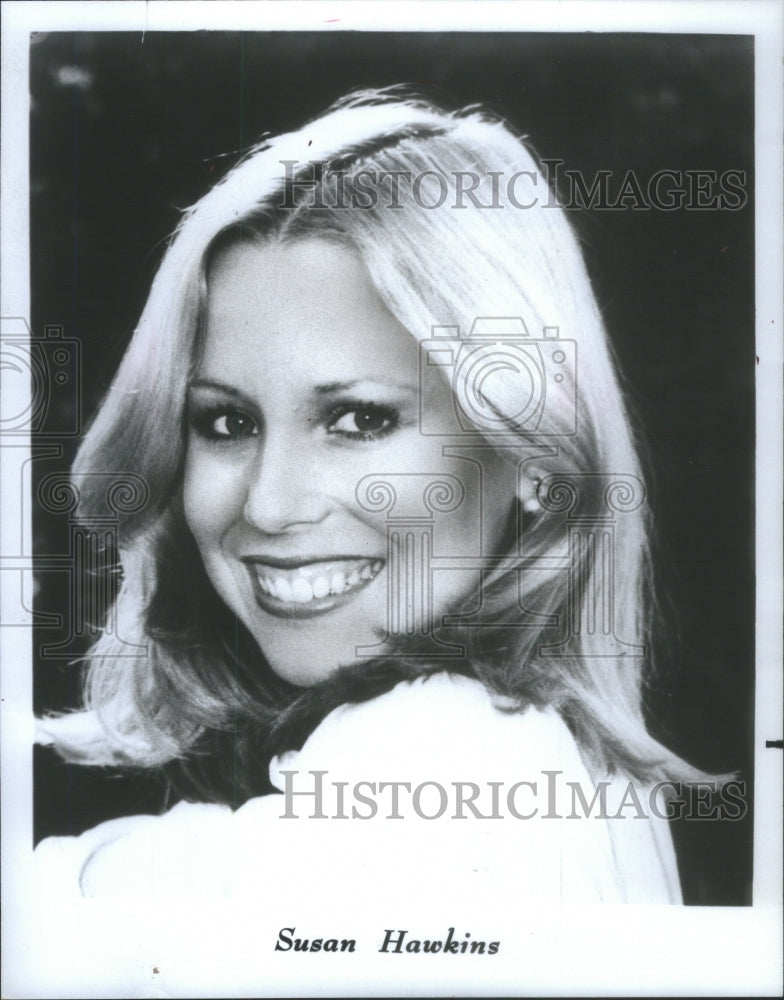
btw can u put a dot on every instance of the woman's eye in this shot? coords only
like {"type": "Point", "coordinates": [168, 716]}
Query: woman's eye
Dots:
{"type": "Point", "coordinates": [225, 425]}
{"type": "Point", "coordinates": [364, 422]}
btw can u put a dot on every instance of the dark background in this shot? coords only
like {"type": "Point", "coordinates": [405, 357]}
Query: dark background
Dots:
{"type": "Point", "coordinates": [126, 131]}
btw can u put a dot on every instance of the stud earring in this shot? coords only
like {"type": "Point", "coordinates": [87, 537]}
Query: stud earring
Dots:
{"type": "Point", "coordinates": [531, 503]}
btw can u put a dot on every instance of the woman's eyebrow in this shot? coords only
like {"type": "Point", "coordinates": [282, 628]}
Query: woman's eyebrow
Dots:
{"type": "Point", "coordinates": [329, 388]}
{"type": "Point", "coordinates": [222, 387]}
{"type": "Point", "coordinates": [207, 383]}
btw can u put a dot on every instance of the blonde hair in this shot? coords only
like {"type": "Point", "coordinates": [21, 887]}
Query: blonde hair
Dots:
{"type": "Point", "coordinates": [433, 264]}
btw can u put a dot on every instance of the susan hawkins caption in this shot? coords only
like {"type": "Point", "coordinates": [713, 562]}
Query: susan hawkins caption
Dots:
{"type": "Point", "coordinates": [394, 942]}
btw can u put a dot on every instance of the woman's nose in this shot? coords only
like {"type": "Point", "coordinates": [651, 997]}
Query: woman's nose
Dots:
{"type": "Point", "coordinates": [284, 489]}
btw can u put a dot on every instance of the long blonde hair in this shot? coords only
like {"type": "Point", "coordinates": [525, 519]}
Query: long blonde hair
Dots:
{"type": "Point", "coordinates": [440, 258]}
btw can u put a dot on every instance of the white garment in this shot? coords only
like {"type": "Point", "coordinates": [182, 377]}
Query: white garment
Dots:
{"type": "Point", "coordinates": [433, 733]}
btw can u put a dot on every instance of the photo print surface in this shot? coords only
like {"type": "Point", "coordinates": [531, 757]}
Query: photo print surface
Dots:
{"type": "Point", "coordinates": [391, 491]}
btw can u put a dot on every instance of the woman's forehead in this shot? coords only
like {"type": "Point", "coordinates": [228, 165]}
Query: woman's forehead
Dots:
{"type": "Point", "coordinates": [301, 305]}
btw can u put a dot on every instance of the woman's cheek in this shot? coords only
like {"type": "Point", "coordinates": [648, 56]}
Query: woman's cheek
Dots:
{"type": "Point", "coordinates": [213, 495]}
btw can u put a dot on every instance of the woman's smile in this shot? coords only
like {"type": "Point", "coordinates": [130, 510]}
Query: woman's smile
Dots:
{"type": "Point", "coordinates": [296, 589]}
{"type": "Point", "coordinates": [306, 387]}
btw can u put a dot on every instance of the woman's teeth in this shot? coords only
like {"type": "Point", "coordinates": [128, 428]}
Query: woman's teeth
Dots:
{"type": "Point", "coordinates": [306, 584]}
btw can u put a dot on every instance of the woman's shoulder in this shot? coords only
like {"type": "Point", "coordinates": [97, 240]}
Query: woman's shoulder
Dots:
{"type": "Point", "coordinates": [434, 725]}
{"type": "Point", "coordinates": [565, 830]}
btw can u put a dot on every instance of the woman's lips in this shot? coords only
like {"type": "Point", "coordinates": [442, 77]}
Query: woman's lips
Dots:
{"type": "Point", "coordinates": [311, 587]}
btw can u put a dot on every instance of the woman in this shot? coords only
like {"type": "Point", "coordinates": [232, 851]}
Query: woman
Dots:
{"type": "Point", "coordinates": [396, 531]}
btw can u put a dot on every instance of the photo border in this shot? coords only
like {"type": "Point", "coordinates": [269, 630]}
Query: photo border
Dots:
{"type": "Point", "coordinates": [647, 950]}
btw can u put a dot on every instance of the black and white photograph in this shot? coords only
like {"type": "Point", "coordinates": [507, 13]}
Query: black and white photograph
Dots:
{"type": "Point", "coordinates": [391, 451]}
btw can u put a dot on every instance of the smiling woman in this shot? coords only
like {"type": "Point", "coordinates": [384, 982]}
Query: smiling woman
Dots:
{"type": "Point", "coordinates": [392, 534]}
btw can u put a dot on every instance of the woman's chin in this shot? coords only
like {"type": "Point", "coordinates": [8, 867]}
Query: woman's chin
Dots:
{"type": "Point", "coordinates": [306, 673]}
{"type": "Point", "coordinates": [305, 663]}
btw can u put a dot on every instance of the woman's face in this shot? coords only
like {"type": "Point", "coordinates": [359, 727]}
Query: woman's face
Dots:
{"type": "Point", "coordinates": [308, 385]}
